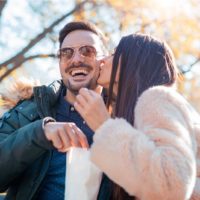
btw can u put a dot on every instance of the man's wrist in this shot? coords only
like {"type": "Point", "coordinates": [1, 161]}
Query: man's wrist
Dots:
{"type": "Point", "coordinates": [46, 120]}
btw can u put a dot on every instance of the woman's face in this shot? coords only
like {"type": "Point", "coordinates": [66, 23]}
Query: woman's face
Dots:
{"type": "Point", "coordinates": [105, 72]}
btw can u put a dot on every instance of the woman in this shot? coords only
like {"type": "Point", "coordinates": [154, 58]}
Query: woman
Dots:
{"type": "Point", "coordinates": [150, 146]}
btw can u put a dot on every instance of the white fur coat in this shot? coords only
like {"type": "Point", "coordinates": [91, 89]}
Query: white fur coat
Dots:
{"type": "Point", "coordinates": [158, 158]}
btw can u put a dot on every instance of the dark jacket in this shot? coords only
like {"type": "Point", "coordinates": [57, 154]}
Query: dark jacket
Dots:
{"type": "Point", "coordinates": [24, 151]}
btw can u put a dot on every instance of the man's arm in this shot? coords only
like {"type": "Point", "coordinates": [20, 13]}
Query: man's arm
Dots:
{"type": "Point", "coordinates": [20, 145]}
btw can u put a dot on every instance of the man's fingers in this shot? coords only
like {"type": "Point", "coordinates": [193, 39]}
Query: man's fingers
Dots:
{"type": "Point", "coordinates": [56, 140]}
{"type": "Point", "coordinates": [65, 139]}
{"type": "Point", "coordinates": [82, 138]}
{"type": "Point", "coordinates": [72, 135]}
{"type": "Point", "coordinates": [65, 135]}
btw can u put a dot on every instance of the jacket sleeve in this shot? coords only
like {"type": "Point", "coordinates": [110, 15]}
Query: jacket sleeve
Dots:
{"type": "Point", "coordinates": [153, 160]}
{"type": "Point", "coordinates": [20, 145]}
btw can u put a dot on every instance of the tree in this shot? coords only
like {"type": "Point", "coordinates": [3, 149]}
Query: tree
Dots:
{"type": "Point", "coordinates": [2, 5]}
{"type": "Point", "coordinates": [17, 60]}
{"type": "Point", "coordinates": [177, 22]}
{"type": "Point", "coordinates": [116, 18]}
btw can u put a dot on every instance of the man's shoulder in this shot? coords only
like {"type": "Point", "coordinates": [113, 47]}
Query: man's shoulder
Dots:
{"type": "Point", "coordinates": [51, 89]}
{"type": "Point", "coordinates": [24, 112]}
{"type": "Point", "coordinates": [47, 94]}
{"type": "Point", "coordinates": [15, 93]}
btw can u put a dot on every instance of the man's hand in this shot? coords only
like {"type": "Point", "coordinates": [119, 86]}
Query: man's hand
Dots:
{"type": "Point", "coordinates": [91, 107]}
{"type": "Point", "coordinates": [65, 135]}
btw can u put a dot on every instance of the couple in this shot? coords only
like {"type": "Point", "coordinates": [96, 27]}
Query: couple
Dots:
{"type": "Point", "coordinates": [148, 148]}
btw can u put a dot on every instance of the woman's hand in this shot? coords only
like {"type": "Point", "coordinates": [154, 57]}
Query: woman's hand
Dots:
{"type": "Point", "coordinates": [91, 107]}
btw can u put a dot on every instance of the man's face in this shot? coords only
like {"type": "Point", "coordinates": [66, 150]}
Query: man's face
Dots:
{"type": "Point", "coordinates": [79, 63]}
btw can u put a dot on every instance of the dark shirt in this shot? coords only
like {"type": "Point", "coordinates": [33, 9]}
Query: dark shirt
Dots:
{"type": "Point", "coordinates": [53, 186]}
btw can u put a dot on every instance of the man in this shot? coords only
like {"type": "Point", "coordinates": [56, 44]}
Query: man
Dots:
{"type": "Point", "coordinates": [36, 132]}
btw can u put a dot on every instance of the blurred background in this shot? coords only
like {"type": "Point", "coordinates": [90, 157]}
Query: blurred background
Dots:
{"type": "Point", "coordinates": [29, 33]}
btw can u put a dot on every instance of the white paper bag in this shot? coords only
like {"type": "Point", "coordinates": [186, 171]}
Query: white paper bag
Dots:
{"type": "Point", "coordinates": [83, 178]}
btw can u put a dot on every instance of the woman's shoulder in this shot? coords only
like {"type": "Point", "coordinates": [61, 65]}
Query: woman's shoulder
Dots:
{"type": "Point", "coordinates": [161, 99]}
{"type": "Point", "coordinates": [158, 95]}
{"type": "Point", "coordinates": [162, 93]}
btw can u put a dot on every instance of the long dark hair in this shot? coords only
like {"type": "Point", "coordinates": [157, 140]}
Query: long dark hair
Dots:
{"type": "Point", "coordinates": [143, 62]}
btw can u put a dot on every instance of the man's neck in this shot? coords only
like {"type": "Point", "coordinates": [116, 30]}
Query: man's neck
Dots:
{"type": "Point", "coordinates": [71, 97]}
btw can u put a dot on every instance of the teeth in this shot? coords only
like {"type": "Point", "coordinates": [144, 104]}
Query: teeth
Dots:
{"type": "Point", "coordinates": [78, 71]}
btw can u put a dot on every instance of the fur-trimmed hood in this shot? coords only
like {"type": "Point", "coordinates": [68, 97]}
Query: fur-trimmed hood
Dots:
{"type": "Point", "coordinates": [17, 90]}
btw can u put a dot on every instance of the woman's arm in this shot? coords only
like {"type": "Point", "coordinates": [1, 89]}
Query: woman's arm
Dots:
{"type": "Point", "coordinates": [154, 160]}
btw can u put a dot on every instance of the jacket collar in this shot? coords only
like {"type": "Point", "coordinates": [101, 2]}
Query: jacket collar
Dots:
{"type": "Point", "coordinates": [46, 98]}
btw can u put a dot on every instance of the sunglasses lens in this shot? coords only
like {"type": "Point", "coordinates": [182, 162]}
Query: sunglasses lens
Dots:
{"type": "Point", "coordinates": [66, 53]}
{"type": "Point", "coordinates": [87, 51]}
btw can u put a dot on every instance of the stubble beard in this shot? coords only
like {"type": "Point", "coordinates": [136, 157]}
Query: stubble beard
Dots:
{"type": "Point", "coordinates": [92, 85]}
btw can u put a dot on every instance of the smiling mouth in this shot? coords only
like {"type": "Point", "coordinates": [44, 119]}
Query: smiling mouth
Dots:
{"type": "Point", "coordinates": [79, 72]}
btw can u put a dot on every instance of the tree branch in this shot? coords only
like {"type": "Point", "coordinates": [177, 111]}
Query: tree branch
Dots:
{"type": "Point", "coordinates": [189, 68]}
{"type": "Point", "coordinates": [39, 37]}
{"type": "Point", "coordinates": [15, 61]}
{"type": "Point", "coordinates": [2, 5]}
{"type": "Point", "coordinates": [23, 60]}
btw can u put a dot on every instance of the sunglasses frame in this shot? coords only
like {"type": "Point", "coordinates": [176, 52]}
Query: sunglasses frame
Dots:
{"type": "Point", "coordinates": [59, 54]}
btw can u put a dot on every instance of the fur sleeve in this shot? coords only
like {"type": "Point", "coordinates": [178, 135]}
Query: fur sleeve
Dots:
{"type": "Point", "coordinates": [156, 159]}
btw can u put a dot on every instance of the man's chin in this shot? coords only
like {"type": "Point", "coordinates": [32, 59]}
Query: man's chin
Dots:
{"type": "Point", "coordinates": [75, 88]}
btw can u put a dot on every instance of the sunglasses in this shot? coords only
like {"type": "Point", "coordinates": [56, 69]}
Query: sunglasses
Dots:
{"type": "Point", "coordinates": [86, 51]}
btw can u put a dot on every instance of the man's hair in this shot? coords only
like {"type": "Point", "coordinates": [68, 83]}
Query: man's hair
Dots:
{"type": "Point", "coordinates": [81, 25]}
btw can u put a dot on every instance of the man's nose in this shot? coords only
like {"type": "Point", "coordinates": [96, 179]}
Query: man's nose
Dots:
{"type": "Point", "coordinates": [77, 57]}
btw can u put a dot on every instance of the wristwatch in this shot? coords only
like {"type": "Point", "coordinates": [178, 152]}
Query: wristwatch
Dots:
{"type": "Point", "coordinates": [47, 120]}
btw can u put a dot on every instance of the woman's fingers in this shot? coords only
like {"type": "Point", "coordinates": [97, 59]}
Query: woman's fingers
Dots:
{"type": "Point", "coordinates": [93, 111]}
{"type": "Point", "coordinates": [86, 94]}
{"type": "Point", "coordinates": [81, 100]}
{"type": "Point", "coordinates": [79, 108]}
{"type": "Point", "coordinates": [85, 100]}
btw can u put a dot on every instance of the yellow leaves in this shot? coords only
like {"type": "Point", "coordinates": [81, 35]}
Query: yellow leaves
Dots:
{"type": "Point", "coordinates": [190, 87]}
{"type": "Point", "coordinates": [177, 22]}
{"type": "Point", "coordinates": [3, 69]}
{"type": "Point", "coordinates": [1, 102]}
{"type": "Point", "coordinates": [123, 5]}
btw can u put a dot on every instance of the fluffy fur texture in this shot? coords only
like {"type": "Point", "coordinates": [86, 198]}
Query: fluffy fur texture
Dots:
{"type": "Point", "coordinates": [17, 90]}
{"type": "Point", "coordinates": [158, 158]}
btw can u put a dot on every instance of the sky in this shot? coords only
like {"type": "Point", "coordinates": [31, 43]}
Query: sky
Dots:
{"type": "Point", "coordinates": [20, 24]}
